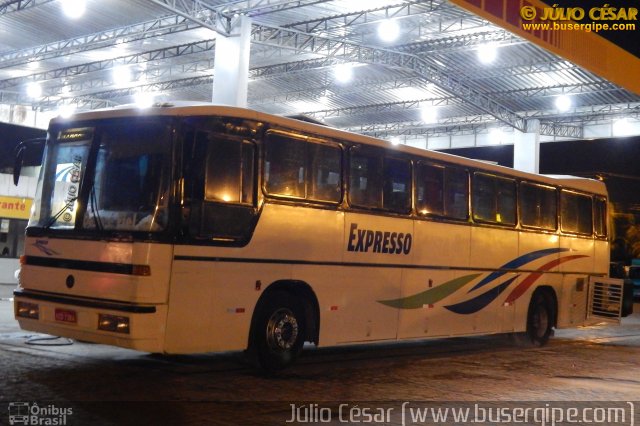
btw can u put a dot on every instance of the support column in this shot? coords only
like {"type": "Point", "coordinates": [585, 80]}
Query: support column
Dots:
{"type": "Point", "coordinates": [526, 148]}
{"type": "Point", "coordinates": [231, 65]}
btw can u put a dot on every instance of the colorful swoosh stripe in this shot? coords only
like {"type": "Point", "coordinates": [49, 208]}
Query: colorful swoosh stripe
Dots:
{"type": "Point", "coordinates": [533, 277]}
{"type": "Point", "coordinates": [430, 296]}
{"type": "Point", "coordinates": [434, 295]}
{"type": "Point", "coordinates": [516, 263]}
{"type": "Point", "coordinates": [479, 302]}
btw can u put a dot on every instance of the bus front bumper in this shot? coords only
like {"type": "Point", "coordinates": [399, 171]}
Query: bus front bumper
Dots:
{"type": "Point", "coordinates": [139, 327]}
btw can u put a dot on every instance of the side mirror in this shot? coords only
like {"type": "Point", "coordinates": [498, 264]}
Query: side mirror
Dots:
{"type": "Point", "coordinates": [18, 161]}
{"type": "Point", "coordinates": [20, 152]}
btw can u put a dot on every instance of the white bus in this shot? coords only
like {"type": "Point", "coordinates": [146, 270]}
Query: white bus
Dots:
{"type": "Point", "coordinates": [184, 229]}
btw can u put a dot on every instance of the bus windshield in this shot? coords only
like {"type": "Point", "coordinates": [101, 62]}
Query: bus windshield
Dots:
{"type": "Point", "coordinates": [117, 170]}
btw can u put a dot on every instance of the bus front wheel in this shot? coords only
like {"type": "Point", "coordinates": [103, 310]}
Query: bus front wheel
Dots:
{"type": "Point", "coordinates": [279, 332]}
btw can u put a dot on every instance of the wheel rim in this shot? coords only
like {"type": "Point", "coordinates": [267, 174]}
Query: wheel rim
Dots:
{"type": "Point", "coordinates": [282, 330]}
{"type": "Point", "coordinates": [540, 322]}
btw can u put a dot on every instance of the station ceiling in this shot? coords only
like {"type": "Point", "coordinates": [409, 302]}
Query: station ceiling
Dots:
{"type": "Point", "coordinates": [429, 81]}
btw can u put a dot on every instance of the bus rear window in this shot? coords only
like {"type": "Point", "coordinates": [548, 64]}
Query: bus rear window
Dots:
{"type": "Point", "coordinates": [576, 213]}
{"type": "Point", "coordinates": [600, 216]}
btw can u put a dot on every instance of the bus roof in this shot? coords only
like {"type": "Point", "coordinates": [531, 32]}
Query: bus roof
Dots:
{"type": "Point", "coordinates": [179, 109]}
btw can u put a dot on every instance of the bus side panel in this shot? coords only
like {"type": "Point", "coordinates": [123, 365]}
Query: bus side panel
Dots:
{"type": "Point", "coordinates": [531, 242]}
{"type": "Point", "coordinates": [572, 306]}
{"type": "Point", "coordinates": [212, 304]}
{"type": "Point", "coordinates": [438, 246]}
{"type": "Point", "coordinates": [213, 297]}
{"type": "Point", "coordinates": [349, 298]}
{"type": "Point", "coordinates": [601, 257]}
{"type": "Point", "coordinates": [493, 248]}
{"type": "Point", "coordinates": [381, 244]}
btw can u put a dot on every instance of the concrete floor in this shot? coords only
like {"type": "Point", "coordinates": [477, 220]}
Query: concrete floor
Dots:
{"type": "Point", "coordinates": [113, 386]}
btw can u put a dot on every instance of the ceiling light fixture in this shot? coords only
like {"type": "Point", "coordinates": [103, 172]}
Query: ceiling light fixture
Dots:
{"type": "Point", "coordinates": [34, 90]}
{"type": "Point", "coordinates": [563, 103]}
{"type": "Point", "coordinates": [121, 75]}
{"type": "Point", "coordinates": [487, 53]}
{"type": "Point", "coordinates": [74, 9]}
{"type": "Point", "coordinates": [388, 30]}
{"type": "Point", "coordinates": [343, 72]}
{"type": "Point", "coordinates": [429, 115]}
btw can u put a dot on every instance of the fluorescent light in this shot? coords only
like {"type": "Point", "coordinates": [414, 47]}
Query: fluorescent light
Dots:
{"type": "Point", "coordinates": [563, 103]}
{"type": "Point", "coordinates": [487, 53]}
{"type": "Point", "coordinates": [34, 90]}
{"type": "Point", "coordinates": [343, 72]}
{"type": "Point", "coordinates": [395, 140]}
{"type": "Point", "coordinates": [388, 30]}
{"type": "Point", "coordinates": [74, 8]}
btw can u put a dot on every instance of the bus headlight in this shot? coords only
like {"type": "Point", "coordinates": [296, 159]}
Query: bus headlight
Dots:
{"type": "Point", "coordinates": [27, 310]}
{"type": "Point", "coordinates": [113, 323]}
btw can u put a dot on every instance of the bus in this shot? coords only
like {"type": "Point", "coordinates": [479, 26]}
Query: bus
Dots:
{"type": "Point", "coordinates": [183, 229]}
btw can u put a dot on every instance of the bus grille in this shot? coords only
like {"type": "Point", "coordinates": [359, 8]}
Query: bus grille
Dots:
{"type": "Point", "coordinates": [605, 299]}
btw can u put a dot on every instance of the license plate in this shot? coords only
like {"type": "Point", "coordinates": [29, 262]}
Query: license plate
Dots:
{"type": "Point", "coordinates": [66, 315]}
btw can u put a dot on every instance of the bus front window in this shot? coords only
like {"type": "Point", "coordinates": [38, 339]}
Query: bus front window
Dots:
{"type": "Point", "coordinates": [123, 186]}
{"type": "Point", "coordinates": [130, 190]}
{"type": "Point", "coordinates": [56, 201]}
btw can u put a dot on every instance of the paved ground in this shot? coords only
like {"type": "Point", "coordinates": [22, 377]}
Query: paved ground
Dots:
{"type": "Point", "coordinates": [86, 384]}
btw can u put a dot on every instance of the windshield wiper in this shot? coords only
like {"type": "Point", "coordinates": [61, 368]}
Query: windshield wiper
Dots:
{"type": "Point", "coordinates": [93, 202]}
{"type": "Point", "coordinates": [64, 208]}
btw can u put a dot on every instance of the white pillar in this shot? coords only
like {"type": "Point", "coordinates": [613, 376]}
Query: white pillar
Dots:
{"type": "Point", "coordinates": [231, 65]}
{"type": "Point", "coordinates": [526, 148]}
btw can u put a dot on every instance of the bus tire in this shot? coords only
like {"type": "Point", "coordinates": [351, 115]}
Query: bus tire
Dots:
{"type": "Point", "coordinates": [540, 320]}
{"type": "Point", "coordinates": [279, 331]}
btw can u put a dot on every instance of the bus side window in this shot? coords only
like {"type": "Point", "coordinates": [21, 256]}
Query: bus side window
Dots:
{"type": "Point", "coordinates": [429, 189]}
{"type": "Point", "coordinates": [538, 206]}
{"type": "Point", "coordinates": [365, 185]}
{"type": "Point", "coordinates": [397, 185]}
{"type": "Point", "coordinates": [494, 199]}
{"type": "Point", "coordinates": [229, 171]}
{"type": "Point", "coordinates": [325, 180]}
{"type": "Point", "coordinates": [456, 193]}
{"type": "Point", "coordinates": [442, 191]}
{"type": "Point", "coordinates": [285, 163]}
{"type": "Point", "coordinates": [600, 216]}
{"type": "Point", "coordinates": [576, 213]}
{"type": "Point", "coordinates": [300, 169]}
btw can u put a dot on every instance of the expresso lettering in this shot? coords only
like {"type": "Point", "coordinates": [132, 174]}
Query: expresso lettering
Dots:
{"type": "Point", "coordinates": [364, 240]}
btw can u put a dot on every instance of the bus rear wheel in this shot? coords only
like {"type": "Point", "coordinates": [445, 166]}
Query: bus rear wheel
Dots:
{"type": "Point", "coordinates": [279, 332]}
{"type": "Point", "coordinates": [540, 320]}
